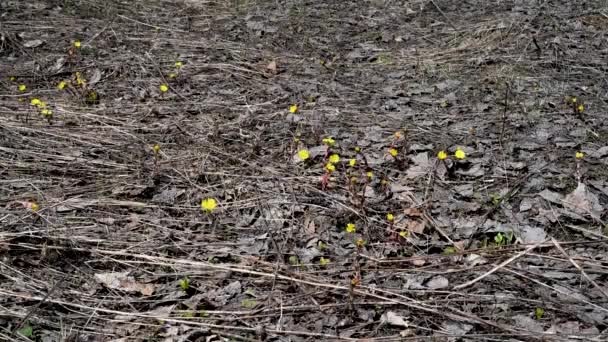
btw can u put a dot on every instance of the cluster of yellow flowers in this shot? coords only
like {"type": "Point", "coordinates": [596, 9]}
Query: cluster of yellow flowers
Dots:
{"type": "Point", "coordinates": [42, 107]}
{"type": "Point", "coordinates": [459, 154]}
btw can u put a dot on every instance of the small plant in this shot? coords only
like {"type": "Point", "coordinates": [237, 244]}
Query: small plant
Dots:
{"type": "Point", "coordinates": [249, 303]}
{"type": "Point", "coordinates": [26, 331]}
{"type": "Point", "coordinates": [324, 261]}
{"type": "Point", "coordinates": [579, 159]}
{"type": "Point", "coordinates": [184, 284]}
{"type": "Point", "coordinates": [449, 250]}
{"type": "Point", "coordinates": [502, 240]}
{"type": "Point", "coordinates": [539, 313]}
{"type": "Point", "coordinates": [294, 261]}
{"type": "Point", "coordinates": [321, 246]}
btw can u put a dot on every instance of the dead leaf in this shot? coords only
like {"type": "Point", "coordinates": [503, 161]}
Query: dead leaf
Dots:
{"type": "Point", "coordinates": [418, 262]}
{"type": "Point", "coordinates": [392, 318]}
{"type": "Point", "coordinates": [415, 212]}
{"type": "Point", "coordinates": [33, 43]}
{"type": "Point", "coordinates": [272, 67]}
{"type": "Point", "coordinates": [421, 166]}
{"type": "Point", "coordinates": [438, 282]}
{"type": "Point", "coordinates": [416, 226]}
{"type": "Point", "coordinates": [123, 282]}
{"type": "Point", "coordinates": [584, 202]}
{"type": "Point", "coordinates": [96, 77]}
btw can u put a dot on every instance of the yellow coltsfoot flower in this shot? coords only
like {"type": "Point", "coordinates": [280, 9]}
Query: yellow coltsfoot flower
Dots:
{"type": "Point", "coordinates": [334, 158]}
{"type": "Point", "coordinates": [293, 108]}
{"type": "Point", "coordinates": [393, 152]}
{"type": "Point", "coordinates": [208, 204]}
{"type": "Point", "coordinates": [442, 155]}
{"type": "Point", "coordinates": [329, 141]}
{"type": "Point", "coordinates": [459, 154]}
{"type": "Point", "coordinates": [303, 154]}
{"type": "Point", "coordinates": [350, 228]}
{"type": "Point", "coordinates": [164, 88]}
{"type": "Point", "coordinates": [580, 155]}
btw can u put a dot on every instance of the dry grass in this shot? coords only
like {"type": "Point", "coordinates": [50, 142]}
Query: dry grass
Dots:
{"type": "Point", "coordinates": [108, 204]}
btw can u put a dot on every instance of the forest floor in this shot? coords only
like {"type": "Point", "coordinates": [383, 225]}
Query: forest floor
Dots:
{"type": "Point", "coordinates": [316, 127]}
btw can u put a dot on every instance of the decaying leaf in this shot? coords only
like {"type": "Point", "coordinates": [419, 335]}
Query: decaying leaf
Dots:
{"type": "Point", "coordinates": [123, 282]}
{"type": "Point", "coordinates": [392, 318]}
{"type": "Point", "coordinates": [583, 202]}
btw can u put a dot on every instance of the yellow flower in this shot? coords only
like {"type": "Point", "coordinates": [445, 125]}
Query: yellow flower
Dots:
{"type": "Point", "coordinates": [580, 108]}
{"type": "Point", "coordinates": [164, 88]}
{"type": "Point", "coordinates": [208, 204]}
{"type": "Point", "coordinates": [360, 243]}
{"type": "Point", "coordinates": [573, 99]}
{"type": "Point", "coordinates": [12, 78]}
{"type": "Point", "coordinates": [580, 155]}
{"type": "Point", "coordinates": [352, 162]}
{"type": "Point", "coordinates": [324, 261]}
{"type": "Point", "coordinates": [350, 228]}
{"type": "Point", "coordinates": [334, 158]}
{"type": "Point", "coordinates": [61, 85]}
{"type": "Point", "coordinates": [156, 148]}
{"type": "Point", "coordinates": [178, 64]}
{"type": "Point", "coordinates": [390, 217]}
{"type": "Point", "coordinates": [403, 233]}
{"type": "Point", "coordinates": [393, 152]}
{"type": "Point", "coordinates": [330, 167]}
{"type": "Point", "coordinates": [22, 87]}
{"type": "Point", "coordinates": [459, 154]}
{"type": "Point", "coordinates": [358, 149]}
{"type": "Point", "coordinates": [370, 174]}
{"type": "Point", "coordinates": [34, 206]}
{"type": "Point", "coordinates": [293, 108]}
{"type": "Point", "coordinates": [35, 102]}
{"type": "Point", "coordinates": [46, 112]}
{"type": "Point", "coordinates": [303, 154]}
{"type": "Point", "coordinates": [442, 155]}
{"type": "Point", "coordinates": [76, 44]}
{"type": "Point", "coordinates": [172, 75]}
{"type": "Point", "coordinates": [41, 104]}
{"type": "Point", "coordinates": [329, 141]}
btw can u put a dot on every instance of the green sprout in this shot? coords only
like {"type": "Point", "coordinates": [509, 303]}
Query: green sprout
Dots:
{"type": "Point", "coordinates": [184, 284]}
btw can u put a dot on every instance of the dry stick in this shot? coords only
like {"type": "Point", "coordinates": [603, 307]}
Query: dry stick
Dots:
{"type": "Point", "coordinates": [504, 115]}
{"type": "Point", "coordinates": [167, 319]}
{"type": "Point", "coordinates": [445, 16]}
{"type": "Point", "coordinates": [503, 264]}
{"type": "Point", "coordinates": [44, 299]}
{"type": "Point", "coordinates": [557, 245]}
{"type": "Point", "coordinates": [411, 304]}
